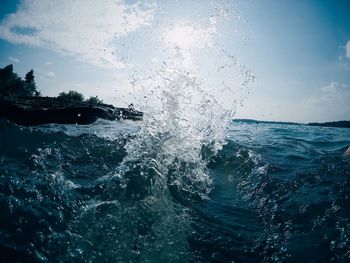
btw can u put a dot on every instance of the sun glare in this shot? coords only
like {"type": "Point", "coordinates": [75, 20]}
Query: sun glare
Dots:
{"type": "Point", "coordinates": [187, 37]}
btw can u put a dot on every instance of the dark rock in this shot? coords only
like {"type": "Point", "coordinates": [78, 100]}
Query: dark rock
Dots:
{"type": "Point", "coordinates": [42, 110]}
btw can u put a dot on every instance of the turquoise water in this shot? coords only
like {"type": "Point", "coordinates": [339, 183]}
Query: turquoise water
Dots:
{"type": "Point", "coordinates": [273, 193]}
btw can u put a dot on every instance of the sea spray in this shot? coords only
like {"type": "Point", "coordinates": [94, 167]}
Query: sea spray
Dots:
{"type": "Point", "coordinates": [186, 113]}
{"type": "Point", "coordinates": [184, 125]}
{"type": "Point", "coordinates": [144, 211]}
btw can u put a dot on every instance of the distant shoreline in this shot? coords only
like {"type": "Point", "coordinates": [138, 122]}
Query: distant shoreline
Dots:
{"type": "Point", "coordinates": [334, 124]}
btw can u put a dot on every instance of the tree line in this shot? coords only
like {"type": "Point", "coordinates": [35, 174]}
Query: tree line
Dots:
{"type": "Point", "coordinates": [12, 86]}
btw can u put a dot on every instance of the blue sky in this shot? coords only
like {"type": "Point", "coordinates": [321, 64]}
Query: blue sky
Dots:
{"type": "Point", "coordinates": [298, 51]}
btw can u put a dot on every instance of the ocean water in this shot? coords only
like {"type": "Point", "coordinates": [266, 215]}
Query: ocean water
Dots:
{"type": "Point", "coordinates": [121, 192]}
{"type": "Point", "coordinates": [186, 184]}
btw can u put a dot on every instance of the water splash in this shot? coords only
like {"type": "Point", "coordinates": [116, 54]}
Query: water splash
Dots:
{"type": "Point", "coordinates": [186, 108]}
{"type": "Point", "coordinates": [188, 97]}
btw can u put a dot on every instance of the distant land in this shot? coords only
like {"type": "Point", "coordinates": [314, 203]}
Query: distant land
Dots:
{"type": "Point", "coordinates": [22, 103]}
{"type": "Point", "coordinates": [336, 124]}
{"type": "Point", "coordinates": [266, 122]}
{"type": "Point", "coordinates": [29, 111]}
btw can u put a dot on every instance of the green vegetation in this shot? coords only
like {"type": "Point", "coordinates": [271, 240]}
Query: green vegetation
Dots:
{"type": "Point", "coordinates": [29, 83]}
{"type": "Point", "coordinates": [71, 95]}
{"type": "Point", "coordinates": [76, 96]}
{"type": "Point", "coordinates": [94, 100]}
{"type": "Point", "coordinates": [11, 85]}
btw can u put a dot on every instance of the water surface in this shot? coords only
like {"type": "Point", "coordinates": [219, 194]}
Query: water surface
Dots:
{"type": "Point", "coordinates": [273, 193]}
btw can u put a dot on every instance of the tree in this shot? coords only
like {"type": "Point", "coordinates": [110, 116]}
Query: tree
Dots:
{"type": "Point", "coordinates": [29, 84]}
{"type": "Point", "coordinates": [71, 95]}
{"type": "Point", "coordinates": [94, 100]}
{"type": "Point", "coordinates": [6, 73]}
{"type": "Point", "coordinates": [11, 85]}
{"type": "Point", "coordinates": [15, 86]}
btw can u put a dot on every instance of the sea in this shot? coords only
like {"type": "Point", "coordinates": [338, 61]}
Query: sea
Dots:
{"type": "Point", "coordinates": [122, 191]}
{"type": "Point", "coordinates": [185, 184]}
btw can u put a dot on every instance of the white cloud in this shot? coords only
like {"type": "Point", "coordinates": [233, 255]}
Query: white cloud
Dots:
{"type": "Point", "coordinates": [50, 75]}
{"type": "Point", "coordinates": [335, 92]}
{"type": "Point", "coordinates": [347, 49]}
{"type": "Point", "coordinates": [88, 29]}
{"type": "Point", "coordinates": [15, 60]}
{"type": "Point", "coordinates": [44, 74]}
{"type": "Point", "coordinates": [331, 103]}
